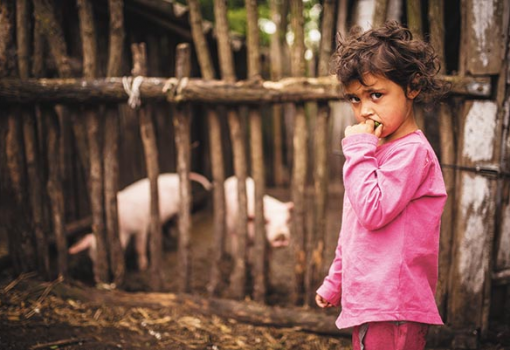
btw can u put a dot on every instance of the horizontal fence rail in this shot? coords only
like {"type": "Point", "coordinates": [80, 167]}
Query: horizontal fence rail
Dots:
{"type": "Point", "coordinates": [197, 90]}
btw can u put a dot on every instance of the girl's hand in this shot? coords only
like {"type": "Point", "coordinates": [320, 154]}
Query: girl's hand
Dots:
{"type": "Point", "coordinates": [321, 302]}
{"type": "Point", "coordinates": [366, 127]}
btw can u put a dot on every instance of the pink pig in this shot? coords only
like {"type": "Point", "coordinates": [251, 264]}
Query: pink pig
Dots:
{"type": "Point", "coordinates": [133, 204]}
{"type": "Point", "coordinates": [277, 215]}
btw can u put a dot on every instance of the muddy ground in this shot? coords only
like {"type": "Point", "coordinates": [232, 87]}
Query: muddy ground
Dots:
{"type": "Point", "coordinates": [73, 314]}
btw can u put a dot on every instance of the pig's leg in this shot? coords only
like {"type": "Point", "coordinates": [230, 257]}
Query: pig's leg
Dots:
{"type": "Point", "coordinates": [141, 249]}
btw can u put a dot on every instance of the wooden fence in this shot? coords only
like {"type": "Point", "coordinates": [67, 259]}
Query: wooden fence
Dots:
{"type": "Point", "coordinates": [472, 129]}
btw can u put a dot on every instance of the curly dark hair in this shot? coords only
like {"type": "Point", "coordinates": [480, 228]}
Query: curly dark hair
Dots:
{"type": "Point", "coordinates": [390, 51]}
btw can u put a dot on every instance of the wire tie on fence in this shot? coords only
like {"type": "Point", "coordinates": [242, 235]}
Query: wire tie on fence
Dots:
{"type": "Point", "coordinates": [133, 90]}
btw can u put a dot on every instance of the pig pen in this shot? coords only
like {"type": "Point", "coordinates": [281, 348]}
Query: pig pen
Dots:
{"type": "Point", "coordinates": [76, 315]}
{"type": "Point", "coordinates": [280, 268]}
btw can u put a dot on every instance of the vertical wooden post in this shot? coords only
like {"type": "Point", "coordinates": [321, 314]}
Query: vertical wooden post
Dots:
{"type": "Point", "coordinates": [218, 172]}
{"type": "Point", "coordinates": [276, 56]}
{"type": "Point", "coordinates": [414, 18]}
{"type": "Point", "coordinates": [447, 140]}
{"type": "Point", "coordinates": [238, 279]}
{"type": "Point", "coordinates": [181, 120]}
{"type": "Point", "coordinates": [502, 253]}
{"type": "Point", "coordinates": [44, 12]}
{"type": "Point", "coordinates": [479, 145]}
{"type": "Point", "coordinates": [300, 154]}
{"type": "Point", "coordinates": [33, 164]}
{"type": "Point", "coordinates": [259, 262]}
{"type": "Point", "coordinates": [111, 144]}
{"type": "Point", "coordinates": [316, 238]}
{"type": "Point", "coordinates": [94, 133]}
{"type": "Point", "coordinates": [381, 8]}
{"type": "Point", "coordinates": [151, 158]}
{"type": "Point", "coordinates": [416, 27]}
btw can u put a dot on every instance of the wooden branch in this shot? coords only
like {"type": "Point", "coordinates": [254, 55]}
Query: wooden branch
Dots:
{"type": "Point", "coordinates": [276, 67]}
{"type": "Point", "coordinates": [115, 49]}
{"type": "Point", "coordinates": [259, 263]}
{"type": "Point", "coordinates": [88, 37]}
{"type": "Point", "coordinates": [226, 57]}
{"type": "Point", "coordinates": [111, 146]}
{"type": "Point", "coordinates": [150, 149]}
{"type": "Point", "coordinates": [216, 152]}
{"type": "Point", "coordinates": [45, 16]}
{"type": "Point", "coordinates": [181, 121]}
{"type": "Point", "coordinates": [23, 38]}
{"type": "Point", "coordinates": [7, 54]}
{"type": "Point", "coordinates": [196, 90]}
{"type": "Point", "coordinates": [201, 47]}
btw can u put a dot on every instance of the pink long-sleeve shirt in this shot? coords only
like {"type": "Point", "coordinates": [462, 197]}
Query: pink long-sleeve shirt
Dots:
{"type": "Point", "coordinates": [386, 262]}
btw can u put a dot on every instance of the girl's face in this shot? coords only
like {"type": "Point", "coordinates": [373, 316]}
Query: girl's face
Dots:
{"type": "Point", "coordinates": [383, 101]}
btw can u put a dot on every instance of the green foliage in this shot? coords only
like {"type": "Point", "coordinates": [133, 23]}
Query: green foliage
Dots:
{"type": "Point", "coordinates": [236, 15]}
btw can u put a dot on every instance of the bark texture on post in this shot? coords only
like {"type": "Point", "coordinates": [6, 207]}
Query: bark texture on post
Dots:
{"type": "Point", "coordinates": [447, 140]}
{"type": "Point", "coordinates": [315, 260]}
{"type": "Point", "coordinates": [474, 228]}
{"type": "Point", "coordinates": [218, 172]}
{"type": "Point", "coordinates": [300, 153]}
{"type": "Point", "coordinates": [381, 8]}
{"type": "Point", "coordinates": [484, 31]}
{"type": "Point", "coordinates": [111, 144]}
{"type": "Point", "coordinates": [151, 158]}
{"type": "Point", "coordinates": [181, 120]}
{"type": "Point", "coordinates": [276, 62]}
{"type": "Point", "coordinates": [414, 18]}
{"type": "Point", "coordinates": [54, 188]}
{"type": "Point", "coordinates": [45, 17]}
{"type": "Point", "coordinates": [238, 278]}
{"type": "Point", "coordinates": [214, 92]}
{"type": "Point", "coordinates": [32, 155]}
{"type": "Point", "coordinates": [94, 135]}
{"type": "Point", "coordinates": [259, 262]}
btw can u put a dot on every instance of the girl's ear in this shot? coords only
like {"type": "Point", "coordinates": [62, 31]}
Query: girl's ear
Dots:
{"type": "Point", "coordinates": [414, 88]}
{"type": "Point", "coordinates": [411, 94]}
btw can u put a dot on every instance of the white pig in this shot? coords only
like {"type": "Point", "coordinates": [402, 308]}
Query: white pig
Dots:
{"type": "Point", "coordinates": [277, 215]}
{"type": "Point", "coordinates": [133, 206]}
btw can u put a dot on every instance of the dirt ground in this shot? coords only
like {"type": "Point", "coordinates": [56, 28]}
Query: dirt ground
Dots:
{"type": "Point", "coordinates": [74, 314]}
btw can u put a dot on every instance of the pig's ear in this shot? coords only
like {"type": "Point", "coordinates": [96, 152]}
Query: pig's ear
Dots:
{"type": "Point", "coordinates": [290, 206]}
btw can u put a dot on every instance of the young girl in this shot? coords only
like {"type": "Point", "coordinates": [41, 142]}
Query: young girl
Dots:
{"type": "Point", "coordinates": [386, 264]}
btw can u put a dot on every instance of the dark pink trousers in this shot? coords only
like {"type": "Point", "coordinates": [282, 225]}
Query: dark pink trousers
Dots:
{"type": "Point", "coordinates": [389, 336]}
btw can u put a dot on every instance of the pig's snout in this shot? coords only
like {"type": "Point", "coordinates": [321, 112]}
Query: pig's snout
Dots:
{"type": "Point", "coordinates": [280, 240]}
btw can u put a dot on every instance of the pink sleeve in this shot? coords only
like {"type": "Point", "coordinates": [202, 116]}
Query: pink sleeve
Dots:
{"type": "Point", "coordinates": [379, 192]}
{"type": "Point", "coordinates": [331, 288]}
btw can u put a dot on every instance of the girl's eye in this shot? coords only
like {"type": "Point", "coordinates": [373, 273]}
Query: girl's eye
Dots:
{"type": "Point", "coordinates": [353, 99]}
{"type": "Point", "coordinates": [376, 95]}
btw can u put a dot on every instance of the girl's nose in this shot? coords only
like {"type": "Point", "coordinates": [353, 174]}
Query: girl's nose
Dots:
{"type": "Point", "coordinates": [366, 111]}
